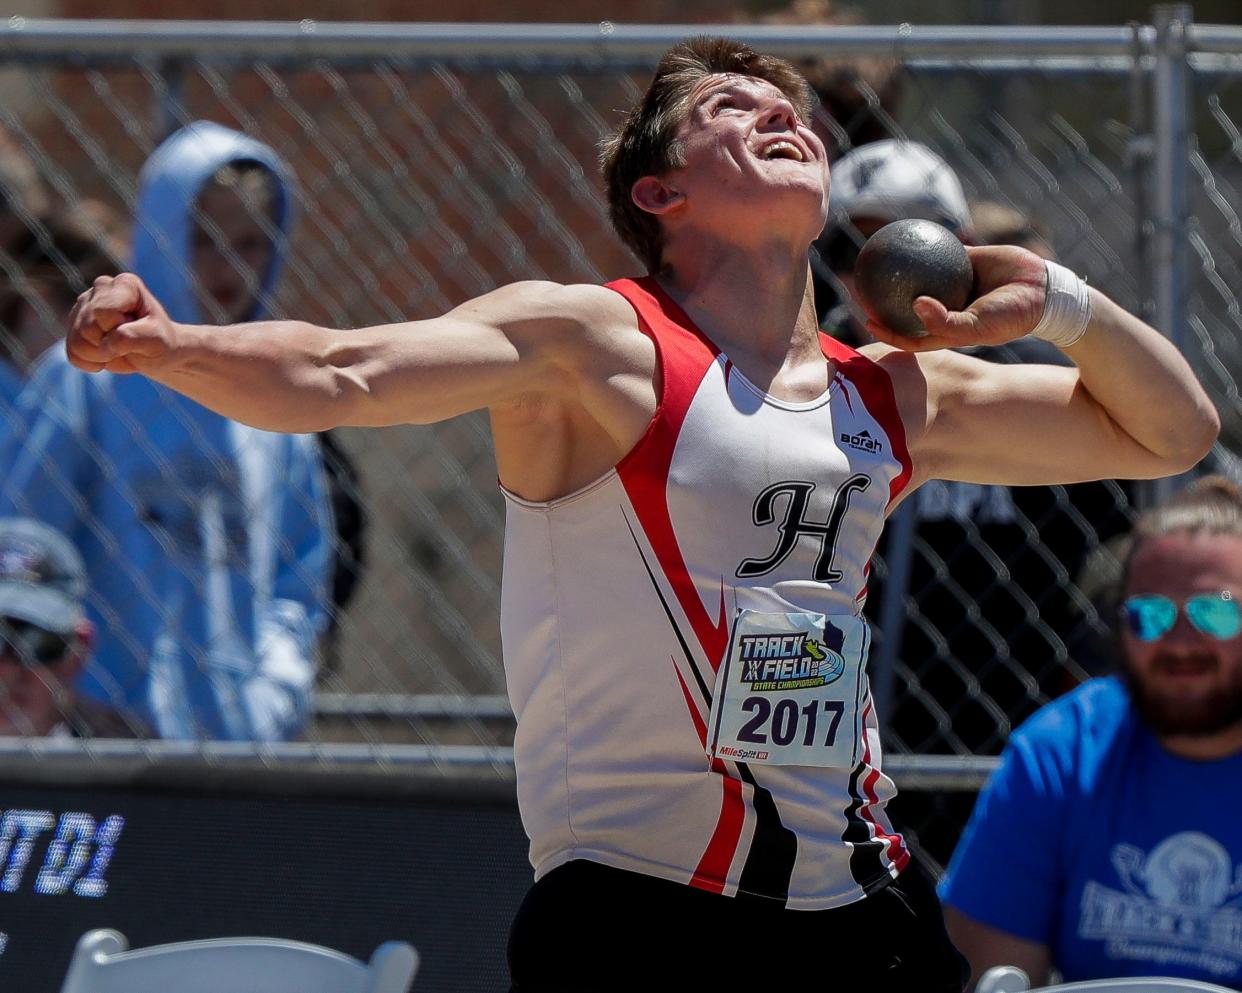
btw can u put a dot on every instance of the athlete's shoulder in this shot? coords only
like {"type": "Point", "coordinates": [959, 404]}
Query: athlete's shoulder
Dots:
{"type": "Point", "coordinates": [568, 325]}
{"type": "Point", "coordinates": [543, 300]}
{"type": "Point", "coordinates": [923, 373]}
{"type": "Point", "coordinates": [936, 367]}
{"type": "Point", "coordinates": [908, 375]}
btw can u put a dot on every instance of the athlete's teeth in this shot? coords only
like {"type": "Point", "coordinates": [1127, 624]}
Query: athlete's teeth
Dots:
{"type": "Point", "coordinates": [776, 146]}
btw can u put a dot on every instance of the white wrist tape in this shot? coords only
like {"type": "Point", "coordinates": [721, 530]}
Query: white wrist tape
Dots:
{"type": "Point", "coordinates": [1067, 307]}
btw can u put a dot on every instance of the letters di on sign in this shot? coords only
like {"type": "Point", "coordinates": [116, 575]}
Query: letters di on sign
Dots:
{"type": "Point", "coordinates": [77, 856]}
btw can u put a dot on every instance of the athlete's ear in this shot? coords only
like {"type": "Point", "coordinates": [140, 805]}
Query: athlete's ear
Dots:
{"type": "Point", "coordinates": [656, 195]}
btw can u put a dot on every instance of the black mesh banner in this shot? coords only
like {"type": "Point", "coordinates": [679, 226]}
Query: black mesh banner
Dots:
{"type": "Point", "coordinates": [445, 875]}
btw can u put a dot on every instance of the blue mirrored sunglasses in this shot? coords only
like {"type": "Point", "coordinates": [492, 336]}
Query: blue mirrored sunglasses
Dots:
{"type": "Point", "coordinates": [1151, 616]}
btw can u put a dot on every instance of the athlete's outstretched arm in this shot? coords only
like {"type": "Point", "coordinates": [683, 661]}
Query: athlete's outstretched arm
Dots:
{"type": "Point", "coordinates": [1130, 407]}
{"type": "Point", "coordinates": [291, 376]}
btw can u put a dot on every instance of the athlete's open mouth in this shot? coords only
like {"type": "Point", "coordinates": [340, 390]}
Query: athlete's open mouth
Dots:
{"type": "Point", "coordinates": [782, 150]}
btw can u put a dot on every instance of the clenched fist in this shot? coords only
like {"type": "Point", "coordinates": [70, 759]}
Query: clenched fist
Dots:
{"type": "Point", "coordinates": [118, 326]}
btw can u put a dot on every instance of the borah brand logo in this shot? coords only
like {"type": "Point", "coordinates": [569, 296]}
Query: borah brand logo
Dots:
{"type": "Point", "coordinates": [791, 661]}
{"type": "Point", "coordinates": [862, 442]}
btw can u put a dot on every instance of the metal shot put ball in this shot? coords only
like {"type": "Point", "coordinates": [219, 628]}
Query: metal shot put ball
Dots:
{"type": "Point", "coordinates": [910, 259]}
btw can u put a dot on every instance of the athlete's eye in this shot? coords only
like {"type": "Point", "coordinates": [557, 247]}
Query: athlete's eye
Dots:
{"type": "Point", "coordinates": [722, 103]}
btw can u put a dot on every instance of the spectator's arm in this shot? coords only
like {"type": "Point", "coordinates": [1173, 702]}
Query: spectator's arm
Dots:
{"type": "Point", "coordinates": [277, 696]}
{"type": "Point", "coordinates": [985, 947]}
{"type": "Point", "coordinates": [1005, 877]}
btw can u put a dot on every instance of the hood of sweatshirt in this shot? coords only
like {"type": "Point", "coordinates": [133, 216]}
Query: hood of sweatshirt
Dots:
{"type": "Point", "coordinates": [168, 188]}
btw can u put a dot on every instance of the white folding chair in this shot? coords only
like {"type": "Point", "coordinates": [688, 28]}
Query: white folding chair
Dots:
{"type": "Point", "coordinates": [1003, 979]}
{"type": "Point", "coordinates": [1152, 984]}
{"type": "Point", "coordinates": [1009, 979]}
{"type": "Point", "coordinates": [103, 963]}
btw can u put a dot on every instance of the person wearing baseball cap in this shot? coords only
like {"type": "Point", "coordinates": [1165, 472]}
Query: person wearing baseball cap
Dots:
{"type": "Point", "coordinates": [874, 185]}
{"type": "Point", "coordinates": [45, 638]}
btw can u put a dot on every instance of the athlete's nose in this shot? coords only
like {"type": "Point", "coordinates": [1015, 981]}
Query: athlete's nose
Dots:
{"type": "Point", "coordinates": [779, 114]}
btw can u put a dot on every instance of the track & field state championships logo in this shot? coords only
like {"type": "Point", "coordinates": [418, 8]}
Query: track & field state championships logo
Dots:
{"type": "Point", "coordinates": [773, 662]}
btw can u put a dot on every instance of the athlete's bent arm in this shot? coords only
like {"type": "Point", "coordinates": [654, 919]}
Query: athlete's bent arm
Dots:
{"type": "Point", "coordinates": [1131, 408]}
{"type": "Point", "coordinates": [296, 377]}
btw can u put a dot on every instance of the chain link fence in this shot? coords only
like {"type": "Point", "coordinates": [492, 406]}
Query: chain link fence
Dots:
{"type": "Point", "coordinates": [433, 164]}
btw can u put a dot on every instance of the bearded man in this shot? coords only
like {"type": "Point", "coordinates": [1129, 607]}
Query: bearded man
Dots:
{"type": "Point", "coordinates": [1109, 842]}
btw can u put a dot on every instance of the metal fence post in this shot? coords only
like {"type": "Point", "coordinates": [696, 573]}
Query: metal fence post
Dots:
{"type": "Point", "coordinates": [1172, 133]}
{"type": "Point", "coordinates": [1139, 159]}
{"type": "Point", "coordinates": [170, 107]}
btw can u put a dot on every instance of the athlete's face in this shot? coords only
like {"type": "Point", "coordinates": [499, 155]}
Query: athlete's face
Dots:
{"type": "Point", "coordinates": [745, 148]}
{"type": "Point", "coordinates": [1186, 683]}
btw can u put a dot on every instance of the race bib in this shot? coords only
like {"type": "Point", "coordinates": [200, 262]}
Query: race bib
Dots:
{"type": "Point", "coordinates": [790, 691]}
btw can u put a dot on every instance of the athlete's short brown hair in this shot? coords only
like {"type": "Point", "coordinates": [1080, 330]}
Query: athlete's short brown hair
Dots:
{"type": "Point", "coordinates": [646, 144]}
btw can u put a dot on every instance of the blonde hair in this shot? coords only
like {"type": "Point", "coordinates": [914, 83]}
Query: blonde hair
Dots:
{"type": "Point", "coordinates": [1211, 505]}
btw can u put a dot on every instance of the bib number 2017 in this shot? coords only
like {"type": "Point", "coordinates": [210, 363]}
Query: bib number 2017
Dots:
{"type": "Point", "coordinates": [785, 720]}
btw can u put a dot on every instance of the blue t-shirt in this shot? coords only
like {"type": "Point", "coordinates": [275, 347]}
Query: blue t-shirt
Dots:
{"type": "Point", "coordinates": [1121, 858]}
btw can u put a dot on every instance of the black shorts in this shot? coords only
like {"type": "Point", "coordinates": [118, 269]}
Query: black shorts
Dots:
{"type": "Point", "coordinates": [586, 927]}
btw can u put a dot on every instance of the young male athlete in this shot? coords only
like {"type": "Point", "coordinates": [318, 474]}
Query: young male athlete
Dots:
{"type": "Point", "coordinates": [696, 479]}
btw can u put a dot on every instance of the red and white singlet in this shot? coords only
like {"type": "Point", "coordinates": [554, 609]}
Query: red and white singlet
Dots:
{"type": "Point", "coordinates": [621, 611]}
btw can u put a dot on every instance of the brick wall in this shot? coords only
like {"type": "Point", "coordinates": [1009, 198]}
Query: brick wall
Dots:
{"type": "Point", "coordinates": [631, 11]}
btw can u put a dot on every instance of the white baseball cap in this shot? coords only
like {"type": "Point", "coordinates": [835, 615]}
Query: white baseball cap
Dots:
{"type": "Point", "coordinates": [42, 578]}
{"type": "Point", "coordinates": [894, 180]}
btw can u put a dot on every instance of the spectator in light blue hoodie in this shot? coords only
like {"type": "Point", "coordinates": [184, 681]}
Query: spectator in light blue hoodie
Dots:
{"type": "Point", "coordinates": [206, 542]}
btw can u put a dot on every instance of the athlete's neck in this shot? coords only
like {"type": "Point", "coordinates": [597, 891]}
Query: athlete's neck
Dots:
{"type": "Point", "coordinates": [759, 310]}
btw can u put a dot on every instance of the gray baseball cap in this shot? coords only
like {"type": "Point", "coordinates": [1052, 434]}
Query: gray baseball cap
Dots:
{"type": "Point", "coordinates": [895, 180]}
{"type": "Point", "coordinates": [42, 578]}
